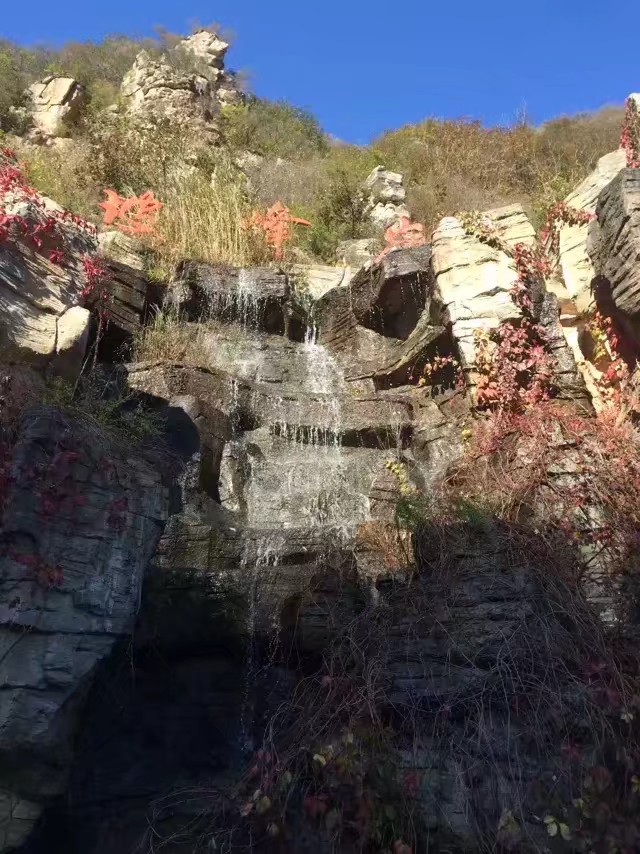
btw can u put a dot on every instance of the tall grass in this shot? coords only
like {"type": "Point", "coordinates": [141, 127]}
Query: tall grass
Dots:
{"type": "Point", "coordinates": [204, 218]}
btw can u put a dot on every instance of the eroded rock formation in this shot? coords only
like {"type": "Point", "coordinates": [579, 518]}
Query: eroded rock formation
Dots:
{"type": "Point", "coordinates": [160, 601]}
{"type": "Point", "coordinates": [54, 103]}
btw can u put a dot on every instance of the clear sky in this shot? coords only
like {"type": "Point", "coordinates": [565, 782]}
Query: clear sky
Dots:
{"type": "Point", "coordinates": [363, 66]}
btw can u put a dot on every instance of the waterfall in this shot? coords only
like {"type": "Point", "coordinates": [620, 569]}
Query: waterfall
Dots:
{"type": "Point", "coordinates": [241, 304]}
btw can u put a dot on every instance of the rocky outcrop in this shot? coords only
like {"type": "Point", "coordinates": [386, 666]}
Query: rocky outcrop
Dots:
{"type": "Point", "coordinates": [81, 521]}
{"type": "Point", "coordinates": [295, 436]}
{"type": "Point", "coordinates": [189, 85]}
{"type": "Point", "coordinates": [55, 102]}
{"type": "Point", "coordinates": [386, 195]}
{"type": "Point", "coordinates": [42, 323]}
{"type": "Point", "coordinates": [474, 280]}
{"type": "Point", "coordinates": [209, 50]}
{"type": "Point", "coordinates": [475, 633]}
{"type": "Point", "coordinates": [617, 246]}
{"type": "Point", "coordinates": [259, 297]}
{"type": "Point", "coordinates": [153, 91]}
{"type": "Point", "coordinates": [575, 265]}
{"type": "Point", "coordinates": [379, 328]}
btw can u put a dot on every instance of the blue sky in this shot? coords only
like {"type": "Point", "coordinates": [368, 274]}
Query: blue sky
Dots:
{"type": "Point", "coordinates": [363, 67]}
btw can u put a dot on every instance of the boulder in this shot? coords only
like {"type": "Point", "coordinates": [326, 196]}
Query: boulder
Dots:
{"type": "Point", "coordinates": [315, 280]}
{"type": "Point", "coordinates": [380, 328]}
{"type": "Point", "coordinates": [385, 186]}
{"type": "Point", "coordinates": [617, 247]}
{"type": "Point", "coordinates": [81, 521]}
{"type": "Point", "coordinates": [357, 253]}
{"type": "Point", "coordinates": [55, 101]}
{"type": "Point", "coordinates": [41, 322]}
{"type": "Point", "coordinates": [390, 296]}
{"type": "Point", "coordinates": [575, 265]}
{"type": "Point", "coordinates": [474, 280]}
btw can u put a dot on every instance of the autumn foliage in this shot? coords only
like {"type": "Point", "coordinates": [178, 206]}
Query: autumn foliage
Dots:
{"type": "Point", "coordinates": [135, 215]}
{"type": "Point", "coordinates": [404, 234]}
{"type": "Point", "coordinates": [276, 224]}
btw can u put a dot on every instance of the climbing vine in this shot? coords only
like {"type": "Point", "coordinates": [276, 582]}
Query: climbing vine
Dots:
{"type": "Point", "coordinates": [630, 136]}
{"type": "Point", "coordinates": [45, 228]}
{"type": "Point", "coordinates": [514, 363]}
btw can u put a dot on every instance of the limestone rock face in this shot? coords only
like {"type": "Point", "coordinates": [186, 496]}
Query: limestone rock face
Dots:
{"type": "Point", "coordinates": [55, 101]}
{"type": "Point", "coordinates": [68, 591]}
{"type": "Point", "coordinates": [253, 297]}
{"type": "Point", "coordinates": [127, 285]}
{"type": "Point", "coordinates": [387, 195]}
{"type": "Point", "coordinates": [617, 248]}
{"type": "Point", "coordinates": [41, 321]}
{"type": "Point", "coordinates": [209, 51]}
{"type": "Point", "coordinates": [474, 280]}
{"type": "Point", "coordinates": [285, 417]}
{"type": "Point", "coordinates": [153, 91]}
{"type": "Point", "coordinates": [575, 265]}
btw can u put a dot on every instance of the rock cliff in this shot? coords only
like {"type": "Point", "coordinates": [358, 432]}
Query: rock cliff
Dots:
{"type": "Point", "coordinates": [298, 585]}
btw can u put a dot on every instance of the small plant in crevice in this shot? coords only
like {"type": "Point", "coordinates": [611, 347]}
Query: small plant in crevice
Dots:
{"type": "Point", "coordinates": [441, 373]}
{"type": "Point", "coordinates": [514, 367]}
{"type": "Point", "coordinates": [558, 215]}
{"type": "Point", "coordinates": [618, 383]}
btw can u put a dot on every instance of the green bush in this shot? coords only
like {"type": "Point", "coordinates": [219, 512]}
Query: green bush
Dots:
{"type": "Point", "coordinates": [11, 89]}
{"type": "Point", "coordinates": [273, 129]}
{"type": "Point", "coordinates": [338, 214]}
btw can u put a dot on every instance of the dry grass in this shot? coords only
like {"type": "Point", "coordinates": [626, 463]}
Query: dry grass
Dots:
{"type": "Point", "coordinates": [452, 165]}
{"type": "Point", "coordinates": [168, 338]}
{"type": "Point", "coordinates": [387, 542]}
{"type": "Point", "coordinates": [204, 219]}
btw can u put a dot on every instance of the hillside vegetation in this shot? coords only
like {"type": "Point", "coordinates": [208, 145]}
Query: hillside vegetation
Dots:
{"type": "Point", "coordinates": [448, 165]}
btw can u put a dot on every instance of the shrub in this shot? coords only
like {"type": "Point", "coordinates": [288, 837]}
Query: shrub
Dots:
{"type": "Point", "coordinates": [11, 89]}
{"type": "Point", "coordinates": [168, 338]}
{"type": "Point", "coordinates": [337, 213]}
{"type": "Point", "coordinates": [131, 158]}
{"type": "Point", "coordinates": [273, 129]}
{"type": "Point", "coordinates": [64, 175]}
{"type": "Point", "coordinates": [456, 164]}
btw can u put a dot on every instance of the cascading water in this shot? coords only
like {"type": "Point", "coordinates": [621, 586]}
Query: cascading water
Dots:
{"type": "Point", "coordinates": [241, 304]}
